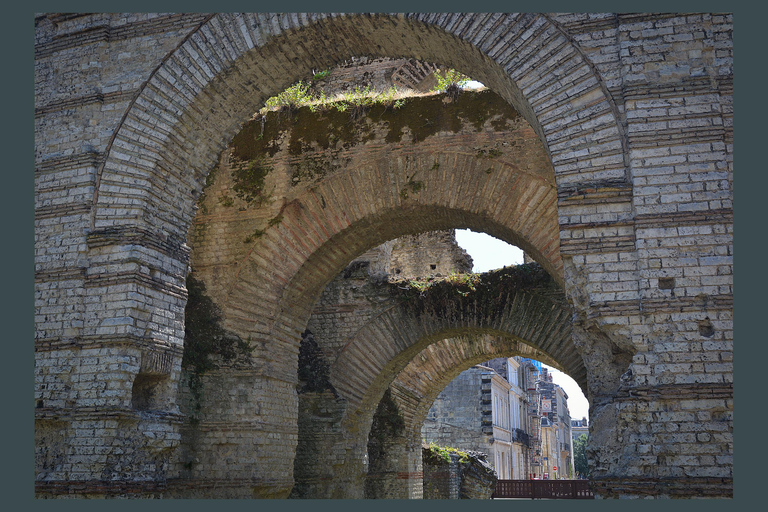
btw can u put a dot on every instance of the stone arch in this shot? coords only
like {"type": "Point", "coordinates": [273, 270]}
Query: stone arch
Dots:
{"type": "Point", "coordinates": [518, 310]}
{"type": "Point", "coordinates": [535, 314]}
{"type": "Point", "coordinates": [129, 264]}
{"type": "Point", "coordinates": [196, 101]}
{"type": "Point", "coordinates": [313, 229]}
{"type": "Point", "coordinates": [437, 365]}
{"type": "Point", "coordinates": [198, 98]}
{"type": "Point", "coordinates": [413, 392]}
{"type": "Point", "coordinates": [318, 228]}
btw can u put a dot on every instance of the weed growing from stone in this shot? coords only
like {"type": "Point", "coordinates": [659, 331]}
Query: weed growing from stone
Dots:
{"type": "Point", "coordinates": [450, 82]}
{"type": "Point", "coordinates": [357, 101]}
{"type": "Point", "coordinates": [444, 452]}
{"type": "Point", "coordinates": [321, 74]}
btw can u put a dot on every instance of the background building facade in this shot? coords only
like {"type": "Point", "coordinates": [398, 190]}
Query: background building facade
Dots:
{"type": "Point", "coordinates": [510, 409]}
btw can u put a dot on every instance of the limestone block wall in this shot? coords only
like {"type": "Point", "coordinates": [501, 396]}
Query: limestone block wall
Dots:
{"type": "Point", "coordinates": [428, 254]}
{"type": "Point", "coordinates": [90, 315]}
{"type": "Point", "coordinates": [634, 112]}
{"type": "Point", "coordinates": [676, 98]}
{"type": "Point", "coordinates": [456, 417]}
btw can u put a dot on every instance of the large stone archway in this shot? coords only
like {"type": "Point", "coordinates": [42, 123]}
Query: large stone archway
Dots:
{"type": "Point", "coordinates": [642, 158]}
{"type": "Point", "coordinates": [400, 473]}
{"type": "Point", "coordinates": [519, 311]}
{"type": "Point", "coordinates": [309, 212]}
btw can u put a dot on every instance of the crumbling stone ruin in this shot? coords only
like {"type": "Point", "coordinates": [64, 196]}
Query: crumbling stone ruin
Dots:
{"type": "Point", "coordinates": [461, 477]}
{"type": "Point", "coordinates": [602, 147]}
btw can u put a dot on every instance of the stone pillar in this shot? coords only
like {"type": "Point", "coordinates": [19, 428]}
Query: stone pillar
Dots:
{"type": "Point", "coordinates": [394, 454]}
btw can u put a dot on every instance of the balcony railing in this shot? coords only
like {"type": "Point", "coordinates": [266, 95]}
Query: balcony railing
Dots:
{"type": "Point", "coordinates": [520, 436]}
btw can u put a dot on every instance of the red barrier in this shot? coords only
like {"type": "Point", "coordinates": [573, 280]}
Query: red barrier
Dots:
{"type": "Point", "coordinates": [544, 489]}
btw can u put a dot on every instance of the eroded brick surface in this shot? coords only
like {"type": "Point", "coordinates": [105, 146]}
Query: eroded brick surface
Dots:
{"type": "Point", "coordinates": [635, 119]}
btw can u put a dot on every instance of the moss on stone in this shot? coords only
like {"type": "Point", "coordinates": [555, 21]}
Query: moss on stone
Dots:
{"type": "Point", "coordinates": [254, 236]}
{"type": "Point", "coordinates": [249, 180]}
{"type": "Point", "coordinates": [387, 425]}
{"type": "Point", "coordinates": [412, 186]}
{"type": "Point", "coordinates": [313, 369]}
{"type": "Point", "coordinates": [314, 167]}
{"type": "Point", "coordinates": [260, 137]}
{"type": "Point", "coordinates": [330, 128]}
{"type": "Point", "coordinates": [327, 129]}
{"type": "Point", "coordinates": [206, 342]}
{"type": "Point", "coordinates": [480, 292]}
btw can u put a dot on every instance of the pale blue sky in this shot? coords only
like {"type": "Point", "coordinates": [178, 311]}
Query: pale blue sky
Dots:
{"type": "Point", "coordinates": [488, 253]}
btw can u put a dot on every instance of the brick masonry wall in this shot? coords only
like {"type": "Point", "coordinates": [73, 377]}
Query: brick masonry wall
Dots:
{"type": "Point", "coordinates": [359, 376]}
{"type": "Point", "coordinates": [133, 111]}
{"type": "Point", "coordinates": [455, 418]}
{"type": "Point", "coordinates": [428, 254]}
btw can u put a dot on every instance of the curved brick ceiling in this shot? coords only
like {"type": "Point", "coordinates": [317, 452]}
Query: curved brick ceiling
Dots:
{"type": "Point", "coordinates": [196, 101]}
{"type": "Point", "coordinates": [266, 258]}
{"type": "Point", "coordinates": [417, 386]}
{"type": "Point", "coordinates": [526, 312]}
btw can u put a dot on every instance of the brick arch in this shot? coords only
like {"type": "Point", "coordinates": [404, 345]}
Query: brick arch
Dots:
{"type": "Point", "coordinates": [194, 103]}
{"type": "Point", "coordinates": [417, 386]}
{"type": "Point", "coordinates": [533, 314]}
{"type": "Point", "coordinates": [322, 228]}
{"type": "Point", "coordinates": [415, 389]}
{"type": "Point", "coordinates": [124, 292]}
{"type": "Point", "coordinates": [197, 99]}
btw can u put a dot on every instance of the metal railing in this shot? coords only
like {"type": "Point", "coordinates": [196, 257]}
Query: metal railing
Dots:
{"type": "Point", "coordinates": [520, 436]}
{"type": "Point", "coordinates": [544, 489]}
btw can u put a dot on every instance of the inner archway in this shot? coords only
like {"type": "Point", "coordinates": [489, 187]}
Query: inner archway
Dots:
{"type": "Point", "coordinates": [294, 231]}
{"type": "Point", "coordinates": [396, 461]}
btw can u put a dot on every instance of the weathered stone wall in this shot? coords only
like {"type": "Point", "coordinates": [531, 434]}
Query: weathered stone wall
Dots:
{"type": "Point", "coordinates": [473, 478]}
{"type": "Point", "coordinates": [456, 417]}
{"type": "Point", "coordinates": [133, 111]}
{"type": "Point", "coordinates": [428, 254]}
{"type": "Point", "coordinates": [442, 479]}
{"type": "Point", "coordinates": [387, 452]}
{"type": "Point", "coordinates": [478, 478]}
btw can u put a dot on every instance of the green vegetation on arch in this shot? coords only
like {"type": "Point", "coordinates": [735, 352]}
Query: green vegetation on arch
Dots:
{"type": "Point", "coordinates": [355, 102]}
{"type": "Point", "coordinates": [444, 452]}
{"type": "Point", "coordinates": [449, 79]}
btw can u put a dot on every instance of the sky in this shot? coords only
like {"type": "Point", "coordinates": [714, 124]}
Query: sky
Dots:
{"type": "Point", "coordinates": [490, 253]}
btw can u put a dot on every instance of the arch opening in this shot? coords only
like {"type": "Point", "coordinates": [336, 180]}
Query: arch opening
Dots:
{"type": "Point", "coordinates": [512, 425]}
{"type": "Point", "coordinates": [352, 364]}
{"type": "Point", "coordinates": [291, 230]}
